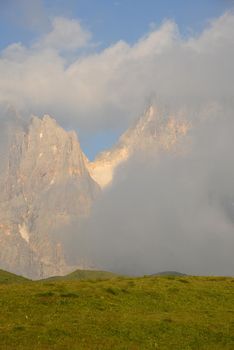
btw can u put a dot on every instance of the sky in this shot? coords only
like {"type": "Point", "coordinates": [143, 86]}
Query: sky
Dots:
{"type": "Point", "coordinates": [108, 20]}
{"type": "Point", "coordinates": [102, 23]}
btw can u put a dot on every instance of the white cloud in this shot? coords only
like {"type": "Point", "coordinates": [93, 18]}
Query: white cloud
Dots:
{"type": "Point", "coordinates": [218, 35]}
{"type": "Point", "coordinates": [66, 35]}
{"type": "Point", "coordinates": [111, 87]}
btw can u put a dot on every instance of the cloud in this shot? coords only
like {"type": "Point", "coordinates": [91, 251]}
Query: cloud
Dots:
{"type": "Point", "coordinates": [108, 88]}
{"type": "Point", "coordinates": [66, 35]}
{"type": "Point", "coordinates": [168, 211]}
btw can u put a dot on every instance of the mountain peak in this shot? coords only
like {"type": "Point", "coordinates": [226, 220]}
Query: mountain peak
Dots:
{"type": "Point", "coordinates": [45, 176]}
{"type": "Point", "coordinates": [46, 120]}
{"type": "Point", "coordinates": [156, 130]}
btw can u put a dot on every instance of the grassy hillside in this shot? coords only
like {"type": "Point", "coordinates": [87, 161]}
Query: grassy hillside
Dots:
{"type": "Point", "coordinates": [83, 275]}
{"type": "Point", "coordinates": [8, 277]}
{"type": "Point", "coordinates": [160, 312]}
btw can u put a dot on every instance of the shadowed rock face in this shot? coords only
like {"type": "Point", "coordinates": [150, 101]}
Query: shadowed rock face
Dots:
{"type": "Point", "coordinates": [44, 184]}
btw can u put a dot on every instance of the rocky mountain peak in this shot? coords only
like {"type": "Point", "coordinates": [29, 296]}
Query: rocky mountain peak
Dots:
{"type": "Point", "coordinates": [45, 185]}
{"type": "Point", "coordinates": [156, 130]}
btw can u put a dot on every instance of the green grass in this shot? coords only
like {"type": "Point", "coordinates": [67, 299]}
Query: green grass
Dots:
{"type": "Point", "coordinates": [157, 312]}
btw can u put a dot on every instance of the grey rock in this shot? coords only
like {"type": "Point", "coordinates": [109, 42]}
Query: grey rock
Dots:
{"type": "Point", "coordinates": [44, 185]}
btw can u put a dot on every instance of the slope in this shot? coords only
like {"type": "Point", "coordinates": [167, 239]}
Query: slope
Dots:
{"type": "Point", "coordinates": [164, 313]}
{"type": "Point", "coordinates": [8, 278]}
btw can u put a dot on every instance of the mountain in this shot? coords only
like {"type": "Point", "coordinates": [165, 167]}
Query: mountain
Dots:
{"type": "Point", "coordinates": [155, 130]}
{"type": "Point", "coordinates": [44, 184]}
{"type": "Point", "coordinates": [47, 183]}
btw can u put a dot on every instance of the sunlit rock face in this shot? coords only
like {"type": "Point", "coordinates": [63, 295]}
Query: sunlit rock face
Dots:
{"type": "Point", "coordinates": [155, 130]}
{"type": "Point", "coordinates": [44, 184]}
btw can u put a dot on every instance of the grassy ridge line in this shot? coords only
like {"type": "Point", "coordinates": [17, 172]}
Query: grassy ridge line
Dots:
{"type": "Point", "coordinates": [8, 278]}
{"type": "Point", "coordinates": [168, 312]}
{"type": "Point", "coordinates": [83, 274]}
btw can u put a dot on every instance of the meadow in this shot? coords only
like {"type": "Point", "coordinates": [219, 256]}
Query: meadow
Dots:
{"type": "Point", "coordinates": [104, 311]}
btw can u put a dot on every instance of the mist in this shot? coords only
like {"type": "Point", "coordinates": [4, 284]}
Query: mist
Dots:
{"type": "Point", "coordinates": [168, 211]}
